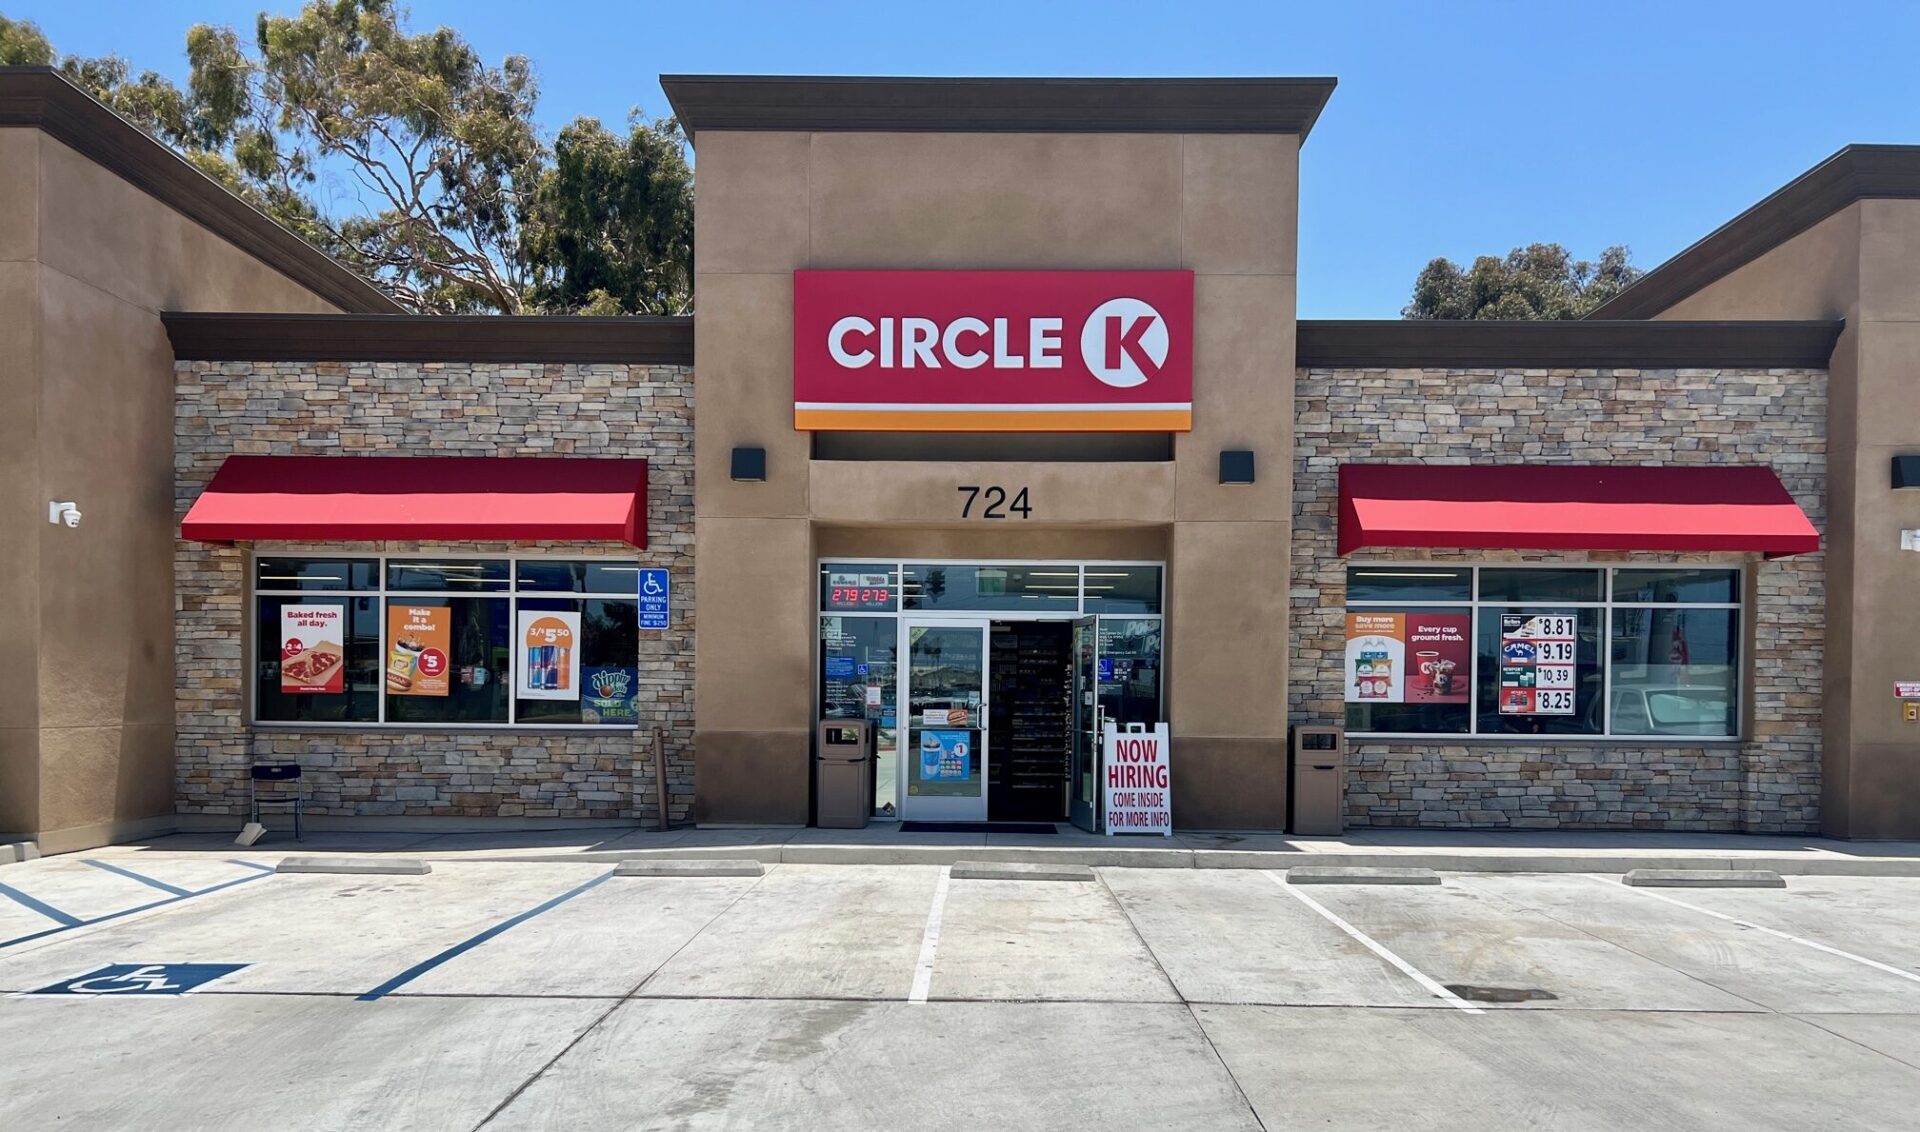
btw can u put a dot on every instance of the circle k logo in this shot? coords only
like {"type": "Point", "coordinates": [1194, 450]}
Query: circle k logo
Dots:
{"type": "Point", "coordinates": [1124, 342]}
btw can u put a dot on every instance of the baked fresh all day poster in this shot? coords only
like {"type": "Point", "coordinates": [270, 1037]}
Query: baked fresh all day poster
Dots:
{"type": "Point", "coordinates": [313, 649]}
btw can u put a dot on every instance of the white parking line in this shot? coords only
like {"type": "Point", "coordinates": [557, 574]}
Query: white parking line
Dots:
{"type": "Point", "coordinates": [1774, 932]}
{"type": "Point", "coordinates": [1405, 968]}
{"type": "Point", "coordinates": [930, 942]}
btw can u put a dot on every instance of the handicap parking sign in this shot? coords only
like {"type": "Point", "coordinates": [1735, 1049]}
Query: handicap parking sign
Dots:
{"type": "Point", "coordinates": [653, 599]}
{"type": "Point", "coordinates": [143, 978]}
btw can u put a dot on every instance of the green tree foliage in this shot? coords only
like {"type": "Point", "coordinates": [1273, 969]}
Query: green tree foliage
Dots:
{"type": "Point", "coordinates": [612, 222]}
{"type": "Point", "coordinates": [454, 201]}
{"type": "Point", "coordinates": [1540, 281]}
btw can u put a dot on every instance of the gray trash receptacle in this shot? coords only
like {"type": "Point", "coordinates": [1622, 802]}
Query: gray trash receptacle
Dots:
{"type": "Point", "coordinates": [843, 773]}
{"type": "Point", "coordinates": [1317, 793]}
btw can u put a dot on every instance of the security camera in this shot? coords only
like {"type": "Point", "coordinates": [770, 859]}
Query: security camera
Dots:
{"type": "Point", "coordinates": [67, 513]}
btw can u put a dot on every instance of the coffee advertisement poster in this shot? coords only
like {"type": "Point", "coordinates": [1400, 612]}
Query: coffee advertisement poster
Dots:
{"type": "Point", "coordinates": [1439, 662]}
{"type": "Point", "coordinates": [549, 660]}
{"type": "Point", "coordinates": [419, 639]}
{"type": "Point", "coordinates": [313, 649]}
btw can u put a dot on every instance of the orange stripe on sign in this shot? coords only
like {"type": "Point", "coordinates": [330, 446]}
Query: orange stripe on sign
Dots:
{"type": "Point", "coordinates": [938, 420]}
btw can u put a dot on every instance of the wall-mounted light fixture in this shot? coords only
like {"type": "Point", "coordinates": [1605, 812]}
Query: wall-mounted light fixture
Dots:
{"type": "Point", "coordinates": [1906, 471]}
{"type": "Point", "coordinates": [750, 465]}
{"type": "Point", "coordinates": [1236, 466]}
{"type": "Point", "coordinates": [68, 513]}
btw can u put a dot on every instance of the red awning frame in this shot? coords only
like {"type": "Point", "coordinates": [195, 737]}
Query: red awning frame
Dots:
{"type": "Point", "coordinates": [1715, 508]}
{"type": "Point", "coordinates": [421, 499]}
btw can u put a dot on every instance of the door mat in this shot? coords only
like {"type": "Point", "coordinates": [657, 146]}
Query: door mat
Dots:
{"type": "Point", "coordinates": [978, 827]}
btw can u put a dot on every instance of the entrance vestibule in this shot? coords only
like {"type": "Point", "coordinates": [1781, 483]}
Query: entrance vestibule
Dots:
{"type": "Point", "coordinates": [988, 684]}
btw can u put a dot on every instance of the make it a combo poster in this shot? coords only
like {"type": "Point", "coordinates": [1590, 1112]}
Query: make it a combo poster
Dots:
{"type": "Point", "coordinates": [313, 650]}
{"type": "Point", "coordinates": [1408, 658]}
{"type": "Point", "coordinates": [419, 638]}
{"type": "Point", "coordinates": [549, 655]}
{"type": "Point", "coordinates": [1537, 663]}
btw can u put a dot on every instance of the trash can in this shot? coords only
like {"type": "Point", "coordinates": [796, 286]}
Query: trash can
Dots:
{"type": "Point", "coordinates": [1317, 792]}
{"type": "Point", "coordinates": [843, 773]}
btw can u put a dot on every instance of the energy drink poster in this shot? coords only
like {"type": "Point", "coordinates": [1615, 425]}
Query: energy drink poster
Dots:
{"type": "Point", "coordinates": [549, 660]}
{"type": "Point", "coordinates": [312, 648]}
{"type": "Point", "coordinates": [1376, 658]}
{"type": "Point", "coordinates": [418, 640]}
{"type": "Point", "coordinates": [1536, 663]}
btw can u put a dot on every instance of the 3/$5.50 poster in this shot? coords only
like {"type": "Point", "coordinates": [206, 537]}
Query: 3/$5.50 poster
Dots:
{"type": "Point", "coordinates": [313, 648]}
{"type": "Point", "coordinates": [549, 655]}
{"type": "Point", "coordinates": [1408, 658]}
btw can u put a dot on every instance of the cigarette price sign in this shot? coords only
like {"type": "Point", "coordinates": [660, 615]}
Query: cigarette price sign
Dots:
{"type": "Point", "coordinates": [1537, 663]}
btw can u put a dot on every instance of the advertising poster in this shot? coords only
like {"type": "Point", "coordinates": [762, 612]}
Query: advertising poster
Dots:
{"type": "Point", "coordinates": [1536, 663]}
{"type": "Point", "coordinates": [1441, 661]}
{"type": "Point", "coordinates": [1139, 780]}
{"type": "Point", "coordinates": [609, 696]}
{"type": "Point", "coordinates": [549, 655]}
{"type": "Point", "coordinates": [313, 650]}
{"type": "Point", "coordinates": [419, 637]}
{"type": "Point", "coordinates": [945, 756]}
{"type": "Point", "coordinates": [1376, 658]}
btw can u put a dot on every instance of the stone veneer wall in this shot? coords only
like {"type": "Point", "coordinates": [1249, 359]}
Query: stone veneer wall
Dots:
{"type": "Point", "coordinates": [1768, 783]}
{"type": "Point", "coordinates": [446, 409]}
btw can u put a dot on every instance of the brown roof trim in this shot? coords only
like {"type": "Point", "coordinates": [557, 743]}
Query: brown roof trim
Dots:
{"type": "Point", "coordinates": [1858, 172]}
{"type": "Point", "coordinates": [1011, 105]}
{"type": "Point", "coordinates": [43, 99]}
{"type": "Point", "coordinates": [1435, 344]}
{"type": "Point", "coordinates": [635, 340]}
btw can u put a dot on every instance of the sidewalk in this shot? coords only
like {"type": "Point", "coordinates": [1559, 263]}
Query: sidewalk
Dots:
{"type": "Point", "coordinates": [1445, 850]}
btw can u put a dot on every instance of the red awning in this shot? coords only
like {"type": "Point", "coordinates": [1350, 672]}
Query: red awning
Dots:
{"type": "Point", "coordinates": [1571, 507]}
{"type": "Point", "coordinates": [421, 498]}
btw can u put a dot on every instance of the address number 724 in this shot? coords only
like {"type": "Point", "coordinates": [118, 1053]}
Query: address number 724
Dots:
{"type": "Point", "coordinates": [994, 502]}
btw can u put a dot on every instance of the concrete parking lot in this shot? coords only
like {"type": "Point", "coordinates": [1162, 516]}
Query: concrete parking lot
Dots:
{"type": "Point", "coordinates": [543, 995]}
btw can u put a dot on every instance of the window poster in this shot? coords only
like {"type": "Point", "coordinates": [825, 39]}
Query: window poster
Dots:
{"type": "Point", "coordinates": [419, 637]}
{"type": "Point", "coordinates": [1376, 658]}
{"type": "Point", "coordinates": [1440, 664]}
{"type": "Point", "coordinates": [549, 655]}
{"type": "Point", "coordinates": [945, 756]}
{"type": "Point", "coordinates": [1536, 663]}
{"type": "Point", "coordinates": [313, 648]}
{"type": "Point", "coordinates": [610, 695]}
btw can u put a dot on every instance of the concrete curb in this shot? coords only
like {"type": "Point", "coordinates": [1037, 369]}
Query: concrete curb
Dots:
{"type": "Point", "coordinates": [355, 866]}
{"type": "Point", "coordinates": [1012, 870]}
{"type": "Point", "coordinates": [1100, 857]}
{"type": "Point", "coordinates": [1322, 874]}
{"type": "Point", "coordinates": [1703, 878]}
{"type": "Point", "coordinates": [722, 867]}
{"type": "Point", "coordinates": [15, 852]}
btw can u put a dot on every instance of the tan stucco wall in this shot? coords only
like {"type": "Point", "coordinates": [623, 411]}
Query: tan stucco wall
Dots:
{"type": "Point", "coordinates": [87, 262]}
{"type": "Point", "coordinates": [1861, 264]}
{"type": "Point", "coordinates": [1223, 206]}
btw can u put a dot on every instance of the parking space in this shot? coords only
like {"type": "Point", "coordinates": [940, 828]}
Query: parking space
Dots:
{"type": "Point", "coordinates": [1145, 998]}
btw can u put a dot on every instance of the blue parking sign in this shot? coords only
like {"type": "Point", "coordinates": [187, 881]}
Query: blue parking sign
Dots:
{"type": "Point", "coordinates": [142, 978]}
{"type": "Point", "coordinates": [653, 599]}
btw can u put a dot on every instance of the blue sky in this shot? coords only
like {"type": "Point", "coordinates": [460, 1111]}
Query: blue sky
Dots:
{"type": "Point", "coordinates": [1458, 129]}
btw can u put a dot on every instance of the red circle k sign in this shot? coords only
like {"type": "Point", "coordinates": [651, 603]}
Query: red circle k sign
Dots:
{"type": "Point", "coordinates": [993, 350]}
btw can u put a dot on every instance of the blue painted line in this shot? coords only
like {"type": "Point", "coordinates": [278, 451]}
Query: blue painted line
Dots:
{"type": "Point", "coordinates": [421, 968]}
{"type": "Point", "coordinates": [40, 906]}
{"type": "Point", "coordinates": [150, 882]}
{"type": "Point", "coordinates": [129, 911]}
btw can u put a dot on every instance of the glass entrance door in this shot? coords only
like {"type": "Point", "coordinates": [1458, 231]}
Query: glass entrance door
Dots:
{"type": "Point", "coordinates": [943, 737]}
{"type": "Point", "coordinates": [1085, 784]}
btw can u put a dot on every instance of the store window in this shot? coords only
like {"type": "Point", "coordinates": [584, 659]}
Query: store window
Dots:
{"type": "Point", "coordinates": [1013, 589]}
{"type": "Point", "coordinates": [446, 641]}
{"type": "Point", "coordinates": [1551, 651]}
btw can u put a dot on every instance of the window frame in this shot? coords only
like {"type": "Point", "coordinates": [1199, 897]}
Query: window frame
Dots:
{"type": "Point", "coordinates": [1473, 606]}
{"type": "Point", "coordinates": [381, 595]}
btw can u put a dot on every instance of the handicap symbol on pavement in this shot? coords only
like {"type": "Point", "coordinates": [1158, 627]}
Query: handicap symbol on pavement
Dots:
{"type": "Point", "coordinates": [143, 978]}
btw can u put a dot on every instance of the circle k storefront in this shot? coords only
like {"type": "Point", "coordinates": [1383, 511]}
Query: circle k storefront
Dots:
{"type": "Point", "coordinates": [1006, 430]}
